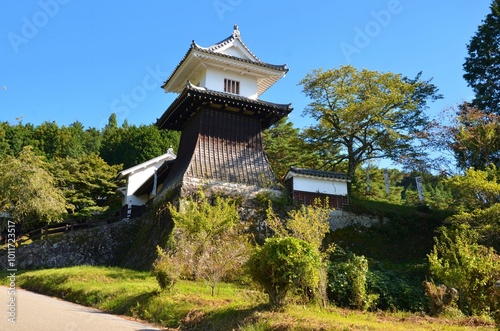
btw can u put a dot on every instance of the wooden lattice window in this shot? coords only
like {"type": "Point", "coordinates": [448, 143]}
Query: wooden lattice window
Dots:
{"type": "Point", "coordinates": [231, 86]}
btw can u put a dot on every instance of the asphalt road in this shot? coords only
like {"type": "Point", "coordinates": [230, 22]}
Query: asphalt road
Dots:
{"type": "Point", "coordinates": [35, 312]}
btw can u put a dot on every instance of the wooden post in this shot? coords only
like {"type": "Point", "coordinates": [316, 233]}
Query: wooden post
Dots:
{"type": "Point", "coordinates": [45, 230]}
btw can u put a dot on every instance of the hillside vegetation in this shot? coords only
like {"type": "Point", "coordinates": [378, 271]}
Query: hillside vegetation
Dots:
{"type": "Point", "coordinates": [190, 306]}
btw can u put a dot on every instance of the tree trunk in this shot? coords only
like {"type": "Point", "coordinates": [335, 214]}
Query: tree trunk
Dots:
{"type": "Point", "coordinates": [277, 296]}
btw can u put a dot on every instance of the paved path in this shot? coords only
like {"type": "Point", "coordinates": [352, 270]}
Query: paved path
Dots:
{"type": "Point", "coordinates": [35, 312]}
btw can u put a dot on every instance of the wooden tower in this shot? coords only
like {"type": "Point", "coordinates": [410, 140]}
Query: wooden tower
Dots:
{"type": "Point", "coordinates": [221, 117]}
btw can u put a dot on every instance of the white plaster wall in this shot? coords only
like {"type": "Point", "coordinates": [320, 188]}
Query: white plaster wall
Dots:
{"type": "Point", "coordinates": [135, 180]}
{"type": "Point", "coordinates": [233, 51]}
{"type": "Point", "coordinates": [214, 80]}
{"type": "Point", "coordinates": [330, 186]}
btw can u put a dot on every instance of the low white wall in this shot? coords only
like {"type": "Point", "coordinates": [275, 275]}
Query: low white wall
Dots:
{"type": "Point", "coordinates": [321, 186]}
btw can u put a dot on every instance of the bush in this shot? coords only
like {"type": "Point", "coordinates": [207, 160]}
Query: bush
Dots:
{"type": "Point", "coordinates": [396, 291]}
{"type": "Point", "coordinates": [459, 261]}
{"type": "Point", "coordinates": [166, 269]}
{"type": "Point", "coordinates": [348, 283]}
{"type": "Point", "coordinates": [284, 264]}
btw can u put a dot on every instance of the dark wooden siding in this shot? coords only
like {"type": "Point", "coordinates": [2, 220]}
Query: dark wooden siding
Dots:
{"type": "Point", "coordinates": [307, 198]}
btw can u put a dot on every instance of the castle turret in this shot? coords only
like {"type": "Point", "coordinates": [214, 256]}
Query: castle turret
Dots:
{"type": "Point", "coordinates": [221, 116]}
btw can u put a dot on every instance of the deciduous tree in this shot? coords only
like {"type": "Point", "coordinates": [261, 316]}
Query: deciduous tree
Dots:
{"type": "Point", "coordinates": [28, 191]}
{"type": "Point", "coordinates": [474, 138]}
{"type": "Point", "coordinates": [364, 115]}
{"type": "Point", "coordinates": [208, 242]}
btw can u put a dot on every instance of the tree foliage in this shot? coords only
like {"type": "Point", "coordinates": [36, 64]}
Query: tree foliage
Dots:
{"type": "Point", "coordinates": [308, 223]}
{"type": "Point", "coordinates": [285, 148]}
{"type": "Point", "coordinates": [483, 62]}
{"type": "Point", "coordinates": [473, 138]}
{"type": "Point", "coordinates": [28, 191]}
{"type": "Point", "coordinates": [477, 189]}
{"type": "Point", "coordinates": [83, 162]}
{"type": "Point", "coordinates": [209, 244]}
{"type": "Point", "coordinates": [364, 115]}
{"type": "Point", "coordinates": [89, 184]}
{"type": "Point", "coordinates": [477, 196]}
{"type": "Point", "coordinates": [130, 145]}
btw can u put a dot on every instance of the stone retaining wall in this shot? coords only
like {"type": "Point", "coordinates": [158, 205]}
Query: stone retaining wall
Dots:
{"type": "Point", "coordinates": [102, 245]}
{"type": "Point", "coordinates": [340, 219]}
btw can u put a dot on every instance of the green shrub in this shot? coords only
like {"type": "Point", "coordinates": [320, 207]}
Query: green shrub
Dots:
{"type": "Point", "coordinates": [284, 264]}
{"type": "Point", "coordinates": [348, 283]}
{"type": "Point", "coordinates": [396, 291]}
{"type": "Point", "coordinates": [166, 269]}
{"type": "Point", "coordinates": [459, 261]}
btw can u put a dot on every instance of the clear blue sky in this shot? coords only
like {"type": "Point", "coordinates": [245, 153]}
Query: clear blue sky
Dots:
{"type": "Point", "coordinates": [68, 60]}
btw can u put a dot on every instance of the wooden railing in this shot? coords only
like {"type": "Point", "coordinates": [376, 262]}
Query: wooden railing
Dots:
{"type": "Point", "coordinates": [63, 227]}
{"type": "Point", "coordinates": [74, 224]}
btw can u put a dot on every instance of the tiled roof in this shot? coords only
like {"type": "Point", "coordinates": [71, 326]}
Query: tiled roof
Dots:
{"type": "Point", "coordinates": [234, 36]}
{"type": "Point", "coordinates": [193, 97]}
{"type": "Point", "coordinates": [214, 50]}
{"type": "Point", "coordinates": [169, 155]}
{"type": "Point", "coordinates": [161, 175]}
{"type": "Point", "coordinates": [317, 173]}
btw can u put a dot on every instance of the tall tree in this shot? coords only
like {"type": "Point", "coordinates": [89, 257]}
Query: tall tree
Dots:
{"type": "Point", "coordinates": [474, 138]}
{"type": "Point", "coordinates": [47, 138]}
{"type": "Point", "coordinates": [27, 190]}
{"type": "Point", "coordinates": [130, 145]}
{"type": "Point", "coordinates": [364, 115]}
{"type": "Point", "coordinates": [482, 65]}
{"type": "Point", "coordinates": [18, 136]}
{"type": "Point", "coordinates": [89, 184]}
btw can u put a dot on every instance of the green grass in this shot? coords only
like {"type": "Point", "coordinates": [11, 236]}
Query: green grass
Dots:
{"type": "Point", "coordinates": [190, 304]}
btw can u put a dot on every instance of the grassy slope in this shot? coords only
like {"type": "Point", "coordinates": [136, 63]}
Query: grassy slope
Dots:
{"type": "Point", "coordinates": [190, 305]}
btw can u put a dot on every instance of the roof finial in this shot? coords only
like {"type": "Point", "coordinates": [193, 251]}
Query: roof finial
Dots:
{"type": "Point", "coordinates": [236, 32]}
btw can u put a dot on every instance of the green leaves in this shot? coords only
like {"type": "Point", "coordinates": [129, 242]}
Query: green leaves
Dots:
{"type": "Point", "coordinates": [482, 63]}
{"type": "Point", "coordinates": [458, 261]}
{"type": "Point", "coordinates": [208, 244]}
{"type": "Point", "coordinates": [88, 182]}
{"type": "Point", "coordinates": [202, 221]}
{"type": "Point", "coordinates": [365, 114]}
{"type": "Point", "coordinates": [284, 263]}
{"type": "Point", "coordinates": [27, 190]}
{"type": "Point", "coordinates": [285, 147]}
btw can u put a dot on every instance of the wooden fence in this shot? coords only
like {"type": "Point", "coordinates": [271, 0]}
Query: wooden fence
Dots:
{"type": "Point", "coordinates": [63, 227]}
{"type": "Point", "coordinates": [72, 224]}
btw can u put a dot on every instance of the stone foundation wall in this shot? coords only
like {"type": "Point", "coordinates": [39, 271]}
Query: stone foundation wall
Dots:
{"type": "Point", "coordinates": [340, 219]}
{"type": "Point", "coordinates": [102, 245]}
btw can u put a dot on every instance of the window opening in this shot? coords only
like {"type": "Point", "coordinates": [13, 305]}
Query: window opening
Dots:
{"type": "Point", "coordinates": [231, 86]}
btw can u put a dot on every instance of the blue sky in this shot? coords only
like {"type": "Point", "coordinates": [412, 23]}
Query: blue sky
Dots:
{"type": "Point", "coordinates": [68, 60]}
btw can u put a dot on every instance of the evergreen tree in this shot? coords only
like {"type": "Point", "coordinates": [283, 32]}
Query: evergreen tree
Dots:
{"type": "Point", "coordinates": [47, 138]}
{"type": "Point", "coordinates": [482, 66]}
{"type": "Point", "coordinates": [88, 183]}
{"type": "Point", "coordinates": [130, 145]}
{"type": "Point", "coordinates": [284, 147]}
{"type": "Point", "coordinates": [18, 136]}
